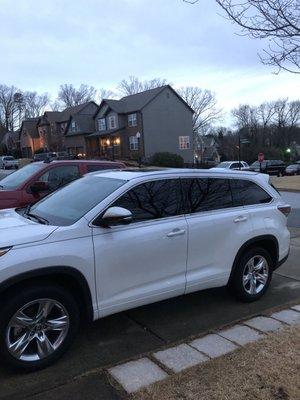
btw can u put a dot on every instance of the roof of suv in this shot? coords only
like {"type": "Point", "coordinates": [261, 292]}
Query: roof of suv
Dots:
{"type": "Point", "coordinates": [128, 174]}
{"type": "Point", "coordinates": [79, 162]}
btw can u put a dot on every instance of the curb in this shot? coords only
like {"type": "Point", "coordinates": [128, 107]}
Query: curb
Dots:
{"type": "Point", "coordinates": [153, 367]}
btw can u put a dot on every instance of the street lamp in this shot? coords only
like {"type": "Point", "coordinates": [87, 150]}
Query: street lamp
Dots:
{"type": "Point", "coordinates": [138, 136]}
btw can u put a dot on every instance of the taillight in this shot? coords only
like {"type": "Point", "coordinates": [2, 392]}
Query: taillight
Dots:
{"type": "Point", "coordinates": [284, 209]}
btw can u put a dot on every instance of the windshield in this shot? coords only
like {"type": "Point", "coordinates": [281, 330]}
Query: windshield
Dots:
{"type": "Point", "coordinates": [14, 180]}
{"type": "Point", "coordinates": [72, 202]}
{"type": "Point", "coordinates": [224, 164]}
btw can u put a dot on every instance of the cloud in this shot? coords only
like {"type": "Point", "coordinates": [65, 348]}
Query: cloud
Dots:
{"type": "Point", "coordinates": [100, 42]}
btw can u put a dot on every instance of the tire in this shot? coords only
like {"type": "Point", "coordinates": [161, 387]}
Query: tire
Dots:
{"type": "Point", "coordinates": [37, 335]}
{"type": "Point", "coordinates": [238, 286]}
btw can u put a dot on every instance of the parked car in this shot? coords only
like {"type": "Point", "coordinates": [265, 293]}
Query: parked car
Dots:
{"type": "Point", "coordinates": [7, 162]}
{"type": "Point", "coordinates": [36, 180]}
{"type": "Point", "coordinates": [293, 169]}
{"type": "Point", "coordinates": [238, 165]}
{"type": "Point", "coordinates": [271, 167]}
{"type": "Point", "coordinates": [116, 240]}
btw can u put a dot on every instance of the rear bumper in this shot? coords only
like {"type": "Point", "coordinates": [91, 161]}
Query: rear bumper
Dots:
{"type": "Point", "coordinates": [282, 261]}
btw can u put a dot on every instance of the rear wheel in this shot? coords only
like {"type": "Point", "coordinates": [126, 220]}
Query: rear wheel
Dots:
{"type": "Point", "coordinates": [37, 326]}
{"type": "Point", "coordinates": [252, 275]}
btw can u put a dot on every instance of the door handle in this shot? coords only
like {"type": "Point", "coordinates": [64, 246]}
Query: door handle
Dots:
{"type": "Point", "coordinates": [241, 218]}
{"type": "Point", "coordinates": [176, 232]}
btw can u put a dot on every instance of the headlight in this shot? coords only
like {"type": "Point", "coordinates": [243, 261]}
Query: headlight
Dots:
{"type": "Point", "coordinates": [4, 250]}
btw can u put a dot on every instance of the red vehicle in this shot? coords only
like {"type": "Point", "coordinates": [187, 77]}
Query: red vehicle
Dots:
{"type": "Point", "coordinates": [34, 181]}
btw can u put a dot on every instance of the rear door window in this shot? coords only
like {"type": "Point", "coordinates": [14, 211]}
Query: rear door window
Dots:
{"type": "Point", "coordinates": [206, 194]}
{"type": "Point", "coordinates": [245, 193]}
{"type": "Point", "coordinates": [153, 200]}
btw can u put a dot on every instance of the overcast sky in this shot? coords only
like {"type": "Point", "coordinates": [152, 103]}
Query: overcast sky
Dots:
{"type": "Point", "coordinates": [100, 42]}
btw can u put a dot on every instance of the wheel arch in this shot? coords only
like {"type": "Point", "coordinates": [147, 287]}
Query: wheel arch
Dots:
{"type": "Point", "coordinates": [267, 242]}
{"type": "Point", "coordinates": [67, 277]}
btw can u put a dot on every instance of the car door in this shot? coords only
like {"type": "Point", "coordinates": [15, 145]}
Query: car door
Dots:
{"type": "Point", "coordinates": [144, 261]}
{"type": "Point", "coordinates": [217, 230]}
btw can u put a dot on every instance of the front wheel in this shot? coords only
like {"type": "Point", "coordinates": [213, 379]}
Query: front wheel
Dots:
{"type": "Point", "coordinates": [252, 275]}
{"type": "Point", "coordinates": [37, 326]}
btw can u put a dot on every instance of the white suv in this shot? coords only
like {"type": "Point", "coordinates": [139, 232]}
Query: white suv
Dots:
{"type": "Point", "coordinates": [116, 240]}
{"type": "Point", "coordinates": [8, 162]}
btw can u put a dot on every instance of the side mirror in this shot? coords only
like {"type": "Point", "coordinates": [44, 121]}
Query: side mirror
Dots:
{"type": "Point", "coordinates": [39, 186]}
{"type": "Point", "coordinates": [115, 216]}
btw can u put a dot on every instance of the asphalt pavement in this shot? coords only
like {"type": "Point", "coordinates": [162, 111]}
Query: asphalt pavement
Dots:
{"type": "Point", "coordinates": [80, 374]}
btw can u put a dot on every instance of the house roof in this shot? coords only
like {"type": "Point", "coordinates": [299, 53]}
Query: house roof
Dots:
{"type": "Point", "coordinates": [62, 116]}
{"type": "Point", "coordinates": [30, 125]}
{"type": "Point", "coordinates": [105, 133]}
{"type": "Point", "coordinates": [138, 101]}
{"type": "Point", "coordinates": [85, 122]}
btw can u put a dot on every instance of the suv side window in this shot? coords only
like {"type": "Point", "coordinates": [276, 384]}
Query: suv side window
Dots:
{"type": "Point", "coordinates": [235, 165]}
{"type": "Point", "coordinates": [99, 167]}
{"type": "Point", "coordinates": [206, 194]}
{"type": "Point", "coordinates": [246, 193]}
{"type": "Point", "coordinates": [59, 176]}
{"type": "Point", "coordinates": [152, 200]}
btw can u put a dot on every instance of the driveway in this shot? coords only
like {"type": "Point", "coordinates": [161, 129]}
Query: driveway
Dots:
{"type": "Point", "coordinates": [80, 374]}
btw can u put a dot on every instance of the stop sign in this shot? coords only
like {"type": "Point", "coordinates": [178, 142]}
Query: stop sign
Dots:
{"type": "Point", "coordinates": [261, 157]}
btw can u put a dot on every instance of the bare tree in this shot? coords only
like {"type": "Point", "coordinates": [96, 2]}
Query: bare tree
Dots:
{"type": "Point", "coordinates": [35, 104]}
{"type": "Point", "coordinates": [134, 85]}
{"type": "Point", "coordinates": [69, 96]}
{"type": "Point", "coordinates": [9, 106]}
{"type": "Point", "coordinates": [275, 20]}
{"type": "Point", "coordinates": [204, 104]}
{"type": "Point", "coordinates": [106, 94]}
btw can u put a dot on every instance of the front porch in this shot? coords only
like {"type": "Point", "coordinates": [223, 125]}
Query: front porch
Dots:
{"type": "Point", "coordinates": [112, 146]}
{"type": "Point", "coordinates": [108, 147]}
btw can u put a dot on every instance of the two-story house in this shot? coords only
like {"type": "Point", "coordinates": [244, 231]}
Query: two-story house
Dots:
{"type": "Point", "coordinates": [53, 124]}
{"type": "Point", "coordinates": [142, 124]}
{"type": "Point", "coordinates": [30, 140]}
{"type": "Point", "coordinates": [80, 124]}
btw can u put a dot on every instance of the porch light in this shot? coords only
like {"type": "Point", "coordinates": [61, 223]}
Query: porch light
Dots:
{"type": "Point", "coordinates": [107, 142]}
{"type": "Point", "coordinates": [117, 141]}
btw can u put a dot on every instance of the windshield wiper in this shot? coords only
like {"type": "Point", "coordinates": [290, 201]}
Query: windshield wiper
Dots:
{"type": "Point", "coordinates": [41, 220]}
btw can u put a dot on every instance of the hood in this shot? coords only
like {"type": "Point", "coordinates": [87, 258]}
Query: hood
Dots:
{"type": "Point", "coordinates": [16, 230]}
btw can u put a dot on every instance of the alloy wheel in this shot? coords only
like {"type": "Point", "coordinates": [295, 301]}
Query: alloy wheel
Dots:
{"type": "Point", "coordinates": [255, 275]}
{"type": "Point", "coordinates": [37, 330]}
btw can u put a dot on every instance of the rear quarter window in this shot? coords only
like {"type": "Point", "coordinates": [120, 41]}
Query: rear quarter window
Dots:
{"type": "Point", "coordinates": [245, 193]}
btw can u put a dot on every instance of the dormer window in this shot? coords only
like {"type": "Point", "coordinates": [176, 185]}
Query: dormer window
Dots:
{"type": "Point", "coordinates": [132, 120]}
{"type": "Point", "coordinates": [101, 124]}
{"type": "Point", "coordinates": [112, 122]}
{"type": "Point", "coordinates": [73, 126]}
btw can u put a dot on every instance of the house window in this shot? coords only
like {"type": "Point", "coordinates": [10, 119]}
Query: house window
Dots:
{"type": "Point", "coordinates": [112, 122]}
{"type": "Point", "coordinates": [73, 126]}
{"type": "Point", "coordinates": [132, 120]}
{"type": "Point", "coordinates": [101, 124]}
{"type": "Point", "coordinates": [133, 143]}
{"type": "Point", "coordinates": [184, 142]}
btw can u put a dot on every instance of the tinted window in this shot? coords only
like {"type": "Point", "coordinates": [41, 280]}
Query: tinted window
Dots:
{"type": "Point", "coordinates": [99, 167]}
{"type": "Point", "coordinates": [235, 165]}
{"type": "Point", "coordinates": [67, 205]}
{"type": "Point", "coordinates": [59, 176]}
{"type": "Point", "coordinates": [152, 200]}
{"type": "Point", "coordinates": [206, 194]}
{"type": "Point", "coordinates": [247, 193]}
